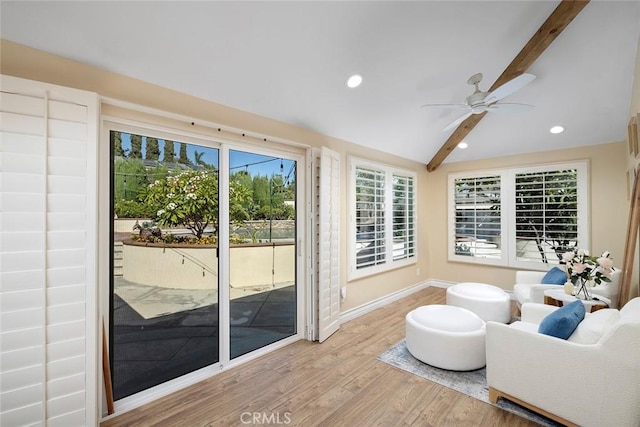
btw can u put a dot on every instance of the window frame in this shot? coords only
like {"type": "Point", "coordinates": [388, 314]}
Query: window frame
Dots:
{"type": "Point", "coordinates": [389, 262]}
{"type": "Point", "coordinates": [508, 242]}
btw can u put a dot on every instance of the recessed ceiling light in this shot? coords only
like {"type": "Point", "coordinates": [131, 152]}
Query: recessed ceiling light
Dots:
{"type": "Point", "coordinates": [354, 81]}
{"type": "Point", "coordinates": [462, 145]}
{"type": "Point", "coordinates": [556, 129]}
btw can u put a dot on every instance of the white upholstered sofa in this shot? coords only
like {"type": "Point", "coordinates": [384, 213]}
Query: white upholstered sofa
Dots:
{"type": "Point", "coordinates": [591, 379]}
{"type": "Point", "coordinates": [529, 289]}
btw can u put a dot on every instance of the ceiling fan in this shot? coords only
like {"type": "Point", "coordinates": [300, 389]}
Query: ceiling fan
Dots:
{"type": "Point", "coordinates": [479, 102]}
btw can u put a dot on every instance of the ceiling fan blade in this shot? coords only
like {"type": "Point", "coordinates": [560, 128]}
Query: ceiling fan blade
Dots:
{"type": "Point", "coordinates": [508, 107]}
{"type": "Point", "coordinates": [447, 106]}
{"type": "Point", "coordinates": [457, 122]}
{"type": "Point", "coordinates": [509, 87]}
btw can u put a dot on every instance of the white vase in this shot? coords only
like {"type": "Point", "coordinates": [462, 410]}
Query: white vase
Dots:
{"type": "Point", "coordinates": [569, 288]}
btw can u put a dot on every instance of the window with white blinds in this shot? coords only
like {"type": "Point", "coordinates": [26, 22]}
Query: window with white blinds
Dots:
{"type": "Point", "coordinates": [478, 228]}
{"type": "Point", "coordinates": [403, 218]}
{"type": "Point", "coordinates": [546, 210]}
{"type": "Point", "coordinates": [370, 216]}
{"type": "Point", "coordinates": [383, 218]}
{"type": "Point", "coordinates": [518, 217]}
{"type": "Point", "coordinates": [48, 286]}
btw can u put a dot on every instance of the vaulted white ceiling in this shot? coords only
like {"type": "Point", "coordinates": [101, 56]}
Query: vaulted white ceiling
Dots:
{"type": "Point", "coordinates": [289, 61]}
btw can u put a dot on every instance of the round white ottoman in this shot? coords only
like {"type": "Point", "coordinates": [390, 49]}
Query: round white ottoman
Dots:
{"type": "Point", "coordinates": [487, 301]}
{"type": "Point", "coordinates": [446, 337]}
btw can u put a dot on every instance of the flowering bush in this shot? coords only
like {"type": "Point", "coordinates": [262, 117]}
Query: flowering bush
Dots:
{"type": "Point", "coordinates": [189, 199]}
{"type": "Point", "coordinates": [585, 268]}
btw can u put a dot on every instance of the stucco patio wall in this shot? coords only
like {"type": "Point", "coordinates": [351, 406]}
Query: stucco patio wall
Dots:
{"type": "Point", "coordinates": [189, 267]}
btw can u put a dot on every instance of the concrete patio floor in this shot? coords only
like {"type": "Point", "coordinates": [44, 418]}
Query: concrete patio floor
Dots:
{"type": "Point", "coordinates": [178, 332]}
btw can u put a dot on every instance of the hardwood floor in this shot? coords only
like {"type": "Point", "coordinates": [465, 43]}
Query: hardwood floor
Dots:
{"type": "Point", "coordinates": [337, 383]}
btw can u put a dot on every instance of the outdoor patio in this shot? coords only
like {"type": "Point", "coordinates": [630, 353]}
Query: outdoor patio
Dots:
{"type": "Point", "coordinates": [161, 334]}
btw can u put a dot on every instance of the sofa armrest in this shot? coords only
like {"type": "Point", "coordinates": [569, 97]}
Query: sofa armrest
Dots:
{"type": "Point", "coordinates": [537, 292]}
{"type": "Point", "coordinates": [529, 277]}
{"type": "Point", "coordinates": [545, 371]}
{"type": "Point", "coordinates": [534, 313]}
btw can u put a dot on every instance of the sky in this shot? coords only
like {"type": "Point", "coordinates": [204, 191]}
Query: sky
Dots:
{"type": "Point", "coordinates": [254, 164]}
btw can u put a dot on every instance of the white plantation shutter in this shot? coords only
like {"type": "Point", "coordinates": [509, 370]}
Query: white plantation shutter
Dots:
{"type": "Point", "coordinates": [518, 217]}
{"type": "Point", "coordinates": [546, 214]}
{"type": "Point", "coordinates": [370, 217]}
{"type": "Point", "coordinates": [403, 217]}
{"type": "Point", "coordinates": [329, 245]}
{"type": "Point", "coordinates": [382, 232]}
{"type": "Point", "coordinates": [48, 361]}
{"type": "Point", "coordinates": [478, 216]}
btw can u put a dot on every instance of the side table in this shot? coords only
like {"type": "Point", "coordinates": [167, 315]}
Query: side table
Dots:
{"type": "Point", "coordinates": [559, 298]}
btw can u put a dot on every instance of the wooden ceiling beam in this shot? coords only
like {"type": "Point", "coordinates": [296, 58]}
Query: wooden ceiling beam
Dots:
{"type": "Point", "coordinates": [559, 19]}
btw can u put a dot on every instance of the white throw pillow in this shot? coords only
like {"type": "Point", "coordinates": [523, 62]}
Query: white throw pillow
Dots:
{"type": "Point", "coordinates": [593, 327]}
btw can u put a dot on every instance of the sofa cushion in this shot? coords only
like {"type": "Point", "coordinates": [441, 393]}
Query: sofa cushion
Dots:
{"type": "Point", "coordinates": [562, 322]}
{"type": "Point", "coordinates": [594, 326]}
{"type": "Point", "coordinates": [555, 276]}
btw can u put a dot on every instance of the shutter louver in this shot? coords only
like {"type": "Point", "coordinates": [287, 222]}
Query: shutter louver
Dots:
{"type": "Point", "coordinates": [44, 236]}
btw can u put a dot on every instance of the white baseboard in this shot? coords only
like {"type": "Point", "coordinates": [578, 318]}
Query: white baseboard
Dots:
{"type": "Point", "coordinates": [388, 299]}
{"type": "Point", "coordinates": [381, 302]}
{"type": "Point", "coordinates": [440, 283]}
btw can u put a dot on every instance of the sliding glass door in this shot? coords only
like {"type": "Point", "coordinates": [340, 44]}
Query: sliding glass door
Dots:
{"type": "Point", "coordinates": [164, 308]}
{"type": "Point", "coordinates": [262, 252]}
{"type": "Point", "coordinates": [180, 299]}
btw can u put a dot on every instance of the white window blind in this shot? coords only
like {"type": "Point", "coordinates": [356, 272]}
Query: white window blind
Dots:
{"type": "Point", "coordinates": [546, 209]}
{"type": "Point", "coordinates": [370, 217]}
{"type": "Point", "coordinates": [519, 217]}
{"type": "Point", "coordinates": [47, 250]}
{"type": "Point", "coordinates": [383, 218]}
{"type": "Point", "coordinates": [478, 217]}
{"type": "Point", "coordinates": [403, 219]}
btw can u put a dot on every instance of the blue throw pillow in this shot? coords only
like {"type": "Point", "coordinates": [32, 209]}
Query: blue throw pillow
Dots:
{"type": "Point", "coordinates": [562, 322]}
{"type": "Point", "coordinates": [555, 276]}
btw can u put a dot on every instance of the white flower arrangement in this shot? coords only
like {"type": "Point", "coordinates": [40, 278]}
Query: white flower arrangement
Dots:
{"type": "Point", "coordinates": [584, 270]}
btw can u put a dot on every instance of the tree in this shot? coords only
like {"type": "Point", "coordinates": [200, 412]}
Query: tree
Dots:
{"type": "Point", "coordinates": [130, 178]}
{"type": "Point", "coordinates": [261, 190]}
{"type": "Point", "coordinates": [183, 159]}
{"type": "Point", "coordinates": [197, 157]}
{"type": "Point", "coordinates": [153, 150]}
{"type": "Point", "coordinates": [190, 200]}
{"type": "Point", "coordinates": [116, 143]}
{"type": "Point", "coordinates": [136, 147]}
{"type": "Point", "coordinates": [241, 197]}
{"type": "Point", "coordinates": [169, 152]}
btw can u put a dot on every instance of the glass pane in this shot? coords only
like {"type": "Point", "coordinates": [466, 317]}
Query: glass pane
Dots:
{"type": "Point", "coordinates": [546, 215]}
{"type": "Point", "coordinates": [403, 232]}
{"type": "Point", "coordinates": [164, 260]}
{"type": "Point", "coordinates": [262, 208]}
{"type": "Point", "coordinates": [478, 230]}
{"type": "Point", "coordinates": [370, 232]}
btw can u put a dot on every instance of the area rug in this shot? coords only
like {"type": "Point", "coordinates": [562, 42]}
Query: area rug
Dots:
{"type": "Point", "coordinates": [471, 383]}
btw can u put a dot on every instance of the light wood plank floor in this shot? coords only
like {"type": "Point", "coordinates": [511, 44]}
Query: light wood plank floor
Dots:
{"type": "Point", "coordinates": [337, 383]}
